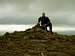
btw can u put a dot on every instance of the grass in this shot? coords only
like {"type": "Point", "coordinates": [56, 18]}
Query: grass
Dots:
{"type": "Point", "coordinates": [36, 43]}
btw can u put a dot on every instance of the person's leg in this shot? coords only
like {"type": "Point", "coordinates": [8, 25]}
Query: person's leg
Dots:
{"type": "Point", "coordinates": [46, 27]}
{"type": "Point", "coordinates": [50, 27]}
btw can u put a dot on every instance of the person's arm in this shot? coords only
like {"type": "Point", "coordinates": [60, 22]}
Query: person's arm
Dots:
{"type": "Point", "coordinates": [39, 20]}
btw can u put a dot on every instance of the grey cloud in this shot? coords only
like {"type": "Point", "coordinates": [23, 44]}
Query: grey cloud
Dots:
{"type": "Point", "coordinates": [62, 12]}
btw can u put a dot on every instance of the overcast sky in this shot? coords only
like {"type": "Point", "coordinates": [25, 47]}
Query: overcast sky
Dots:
{"type": "Point", "coordinates": [61, 12]}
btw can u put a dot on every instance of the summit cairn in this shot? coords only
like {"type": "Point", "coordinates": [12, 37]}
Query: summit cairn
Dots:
{"type": "Point", "coordinates": [36, 42]}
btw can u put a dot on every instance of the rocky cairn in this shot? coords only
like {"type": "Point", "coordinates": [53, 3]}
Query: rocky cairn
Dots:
{"type": "Point", "coordinates": [36, 42]}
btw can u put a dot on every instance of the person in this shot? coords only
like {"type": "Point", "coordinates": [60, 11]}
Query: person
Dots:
{"type": "Point", "coordinates": [45, 22]}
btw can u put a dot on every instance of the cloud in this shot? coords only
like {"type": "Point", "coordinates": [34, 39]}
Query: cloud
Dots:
{"type": "Point", "coordinates": [61, 12]}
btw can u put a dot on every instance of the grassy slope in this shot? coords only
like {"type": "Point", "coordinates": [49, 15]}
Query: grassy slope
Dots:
{"type": "Point", "coordinates": [36, 42]}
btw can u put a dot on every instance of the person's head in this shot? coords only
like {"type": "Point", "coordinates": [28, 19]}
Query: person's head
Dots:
{"type": "Point", "coordinates": [43, 14]}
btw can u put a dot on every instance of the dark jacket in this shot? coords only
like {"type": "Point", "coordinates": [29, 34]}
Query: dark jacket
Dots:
{"type": "Point", "coordinates": [44, 20]}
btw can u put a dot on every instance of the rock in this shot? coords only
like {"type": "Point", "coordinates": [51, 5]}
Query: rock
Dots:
{"type": "Point", "coordinates": [36, 42]}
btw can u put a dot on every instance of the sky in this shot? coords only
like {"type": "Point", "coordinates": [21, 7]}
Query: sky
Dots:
{"type": "Point", "coordinates": [60, 12]}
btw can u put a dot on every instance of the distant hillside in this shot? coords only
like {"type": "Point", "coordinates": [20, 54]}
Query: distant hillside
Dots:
{"type": "Point", "coordinates": [36, 42]}
{"type": "Point", "coordinates": [2, 33]}
{"type": "Point", "coordinates": [17, 21]}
